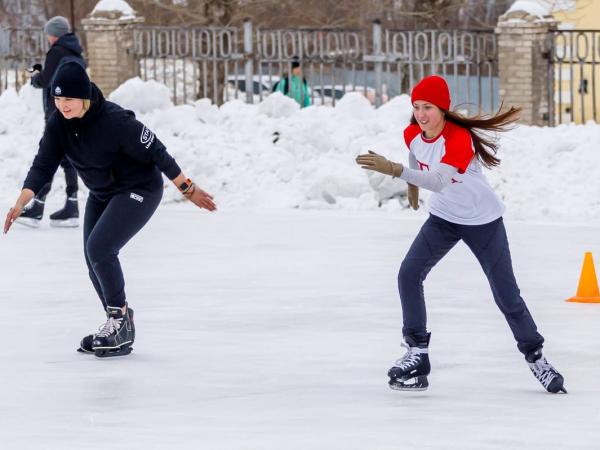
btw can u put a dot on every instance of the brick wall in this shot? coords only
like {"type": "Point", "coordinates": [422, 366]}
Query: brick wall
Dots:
{"type": "Point", "coordinates": [523, 68]}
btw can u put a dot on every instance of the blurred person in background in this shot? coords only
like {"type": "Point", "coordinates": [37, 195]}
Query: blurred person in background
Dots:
{"type": "Point", "coordinates": [63, 43]}
{"type": "Point", "coordinates": [294, 85]}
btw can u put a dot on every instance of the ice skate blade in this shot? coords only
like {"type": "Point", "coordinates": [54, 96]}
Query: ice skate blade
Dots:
{"type": "Point", "coordinates": [83, 350]}
{"type": "Point", "coordinates": [28, 222]}
{"type": "Point", "coordinates": [110, 353]}
{"type": "Point", "coordinates": [68, 223]}
{"type": "Point", "coordinates": [400, 387]}
{"type": "Point", "coordinates": [416, 384]}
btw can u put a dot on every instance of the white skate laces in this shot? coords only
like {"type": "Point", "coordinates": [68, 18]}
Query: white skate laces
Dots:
{"type": "Point", "coordinates": [109, 327]}
{"type": "Point", "coordinates": [411, 358]}
{"type": "Point", "coordinates": [543, 371]}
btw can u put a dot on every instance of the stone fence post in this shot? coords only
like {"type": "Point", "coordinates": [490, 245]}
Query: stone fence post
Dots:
{"type": "Point", "coordinates": [523, 65]}
{"type": "Point", "coordinates": [109, 45]}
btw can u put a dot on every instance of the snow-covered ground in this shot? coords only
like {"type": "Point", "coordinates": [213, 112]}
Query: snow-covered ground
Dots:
{"type": "Point", "coordinates": [275, 330]}
{"type": "Point", "coordinates": [547, 174]}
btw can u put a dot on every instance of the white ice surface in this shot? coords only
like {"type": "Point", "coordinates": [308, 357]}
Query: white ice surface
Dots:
{"type": "Point", "coordinates": [275, 330]}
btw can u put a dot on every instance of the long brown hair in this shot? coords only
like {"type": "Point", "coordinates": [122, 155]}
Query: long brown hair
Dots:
{"type": "Point", "coordinates": [485, 147]}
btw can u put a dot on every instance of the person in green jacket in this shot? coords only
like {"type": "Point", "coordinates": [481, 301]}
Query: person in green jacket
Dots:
{"type": "Point", "coordinates": [297, 89]}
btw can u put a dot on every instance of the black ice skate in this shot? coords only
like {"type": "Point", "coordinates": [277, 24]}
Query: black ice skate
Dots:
{"type": "Point", "coordinates": [116, 336]}
{"type": "Point", "coordinates": [68, 217]}
{"type": "Point", "coordinates": [410, 372]}
{"type": "Point", "coordinates": [544, 372]}
{"type": "Point", "coordinates": [32, 215]}
{"type": "Point", "coordinates": [86, 344]}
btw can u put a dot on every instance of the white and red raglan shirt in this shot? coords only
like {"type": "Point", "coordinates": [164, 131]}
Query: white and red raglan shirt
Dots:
{"type": "Point", "coordinates": [468, 199]}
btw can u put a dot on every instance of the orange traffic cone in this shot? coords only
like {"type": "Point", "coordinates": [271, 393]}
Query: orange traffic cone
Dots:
{"type": "Point", "coordinates": [587, 291]}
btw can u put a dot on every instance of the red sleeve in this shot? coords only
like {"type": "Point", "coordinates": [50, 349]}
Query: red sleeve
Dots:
{"type": "Point", "coordinates": [411, 132]}
{"type": "Point", "coordinates": [459, 148]}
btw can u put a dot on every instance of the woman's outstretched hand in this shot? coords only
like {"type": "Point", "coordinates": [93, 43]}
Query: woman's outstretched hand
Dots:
{"type": "Point", "coordinates": [12, 215]}
{"type": "Point", "coordinates": [202, 199]}
{"type": "Point", "coordinates": [378, 163]}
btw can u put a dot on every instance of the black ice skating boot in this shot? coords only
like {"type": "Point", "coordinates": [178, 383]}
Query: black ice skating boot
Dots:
{"type": "Point", "coordinates": [544, 372]}
{"type": "Point", "coordinates": [410, 372]}
{"type": "Point", "coordinates": [68, 217]}
{"type": "Point", "coordinates": [86, 346]}
{"type": "Point", "coordinates": [32, 215]}
{"type": "Point", "coordinates": [117, 335]}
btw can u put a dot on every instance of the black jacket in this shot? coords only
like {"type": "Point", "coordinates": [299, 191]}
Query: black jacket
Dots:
{"type": "Point", "coordinates": [111, 151]}
{"type": "Point", "coordinates": [66, 45]}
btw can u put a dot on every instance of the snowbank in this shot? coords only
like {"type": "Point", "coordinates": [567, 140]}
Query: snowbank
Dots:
{"type": "Point", "coordinates": [276, 155]}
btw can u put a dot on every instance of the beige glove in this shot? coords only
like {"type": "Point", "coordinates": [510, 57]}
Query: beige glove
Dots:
{"type": "Point", "coordinates": [413, 196]}
{"type": "Point", "coordinates": [378, 163]}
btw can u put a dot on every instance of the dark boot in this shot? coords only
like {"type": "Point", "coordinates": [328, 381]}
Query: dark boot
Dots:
{"type": "Point", "coordinates": [68, 217]}
{"type": "Point", "coordinates": [544, 372]}
{"type": "Point", "coordinates": [410, 372]}
{"type": "Point", "coordinates": [117, 335]}
{"type": "Point", "coordinates": [32, 214]}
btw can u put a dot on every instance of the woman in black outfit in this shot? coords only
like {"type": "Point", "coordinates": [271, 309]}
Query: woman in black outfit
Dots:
{"type": "Point", "coordinates": [120, 161]}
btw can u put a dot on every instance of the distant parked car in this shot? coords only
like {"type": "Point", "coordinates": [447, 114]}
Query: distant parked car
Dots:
{"type": "Point", "coordinates": [329, 92]}
{"type": "Point", "coordinates": [237, 85]}
{"type": "Point", "coordinates": [321, 95]}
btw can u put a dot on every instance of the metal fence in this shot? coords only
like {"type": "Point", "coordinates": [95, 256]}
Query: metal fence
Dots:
{"type": "Point", "coordinates": [20, 48]}
{"type": "Point", "coordinates": [225, 63]}
{"type": "Point", "coordinates": [574, 89]}
{"type": "Point", "coordinates": [466, 59]}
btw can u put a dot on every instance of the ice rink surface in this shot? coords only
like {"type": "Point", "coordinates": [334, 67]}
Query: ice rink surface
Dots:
{"type": "Point", "coordinates": [275, 330]}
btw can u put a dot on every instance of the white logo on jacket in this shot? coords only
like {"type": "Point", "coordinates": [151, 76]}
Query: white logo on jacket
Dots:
{"type": "Point", "coordinates": [136, 197]}
{"type": "Point", "coordinates": [147, 137]}
{"type": "Point", "coordinates": [57, 90]}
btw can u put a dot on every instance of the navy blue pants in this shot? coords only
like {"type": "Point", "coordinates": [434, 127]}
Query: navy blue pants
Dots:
{"type": "Point", "coordinates": [108, 226]}
{"type": "Point", "coordinates": [490, 245]}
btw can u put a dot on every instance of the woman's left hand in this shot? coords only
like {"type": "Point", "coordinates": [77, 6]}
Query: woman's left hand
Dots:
{"type": "Point", "coordinates": [202, 199]}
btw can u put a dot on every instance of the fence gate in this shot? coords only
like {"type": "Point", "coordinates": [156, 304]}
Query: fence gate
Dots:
{"type": "Point", "coordinates": [332, 61]}
{"type": "Point", "coordinates": [190, 61]}
{"type": "Point", "coordinates": [468, 60]}
{"type": "Point", "coordinates": [573, 90]}
{"type": "Point", "coordinates": [222, 63]}
{"type": "Point", "coordinates": [225, 63]}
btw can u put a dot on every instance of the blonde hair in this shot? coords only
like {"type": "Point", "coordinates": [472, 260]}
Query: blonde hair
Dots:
{"type": "Point", "coordinates": [86, 105]}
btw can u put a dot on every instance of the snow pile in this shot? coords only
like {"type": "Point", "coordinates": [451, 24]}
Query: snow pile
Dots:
{"type": "Point", "coordinates": [121, 7]}
{"type": "Point", "coordinates": [541, 8]}
{"type": "Point", "coordinates": [133, 94]}
{"type": "Point", "coordinates": [276, 155]}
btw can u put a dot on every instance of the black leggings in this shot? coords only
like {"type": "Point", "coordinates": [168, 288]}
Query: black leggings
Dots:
{"type": "Point", "coordinates": [108, 226]}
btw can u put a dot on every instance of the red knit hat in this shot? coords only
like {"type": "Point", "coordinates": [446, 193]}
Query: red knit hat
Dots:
{"type": "Point", "coordinates": [432, 89]}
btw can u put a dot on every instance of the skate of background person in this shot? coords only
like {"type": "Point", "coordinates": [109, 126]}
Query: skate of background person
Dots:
{"type": "Point", "coordinates": [446, 157]}
{"type": "Point", "coordinates": [120, 161]}
{"type": "Point", "coordinates": [63, 43]}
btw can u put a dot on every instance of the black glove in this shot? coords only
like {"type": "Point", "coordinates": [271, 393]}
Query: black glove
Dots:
{"type": "Point", "coordinates": [35, 67]}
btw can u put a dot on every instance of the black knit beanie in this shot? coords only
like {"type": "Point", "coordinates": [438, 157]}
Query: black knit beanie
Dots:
{"type": "Point", "coordinates": [71, 80]}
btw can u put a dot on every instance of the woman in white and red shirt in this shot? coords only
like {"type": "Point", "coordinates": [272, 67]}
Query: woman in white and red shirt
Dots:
{"type": "Point", "coordinates": [446, 157]}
